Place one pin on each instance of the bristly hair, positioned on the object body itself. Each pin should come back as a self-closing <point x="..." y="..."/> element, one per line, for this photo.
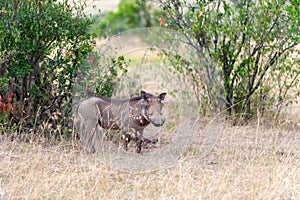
<point x="137" y="98"/>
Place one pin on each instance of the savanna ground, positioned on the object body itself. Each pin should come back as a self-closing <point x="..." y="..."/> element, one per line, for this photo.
<point x="260" y="160"/>
<point x="249" y="162"/>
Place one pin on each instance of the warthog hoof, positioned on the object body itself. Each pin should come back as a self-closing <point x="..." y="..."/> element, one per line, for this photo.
<point x="91" y="150"/>
<point x="149" y="141"/>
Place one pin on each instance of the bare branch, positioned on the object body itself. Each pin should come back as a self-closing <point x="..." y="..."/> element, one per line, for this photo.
<point x="268" y="65"/>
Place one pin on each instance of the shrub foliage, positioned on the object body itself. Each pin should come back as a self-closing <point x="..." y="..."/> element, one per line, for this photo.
<point x="42" y="46"/>
<point x="130" y="14"/>
<point x="250" y="48"/>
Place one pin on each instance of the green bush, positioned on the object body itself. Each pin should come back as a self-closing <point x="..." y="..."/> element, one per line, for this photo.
<point x="130" y="14"/>
<point x="247" y="50"/>
<point x="42" y="46"/>
<point x="98" y="77"/>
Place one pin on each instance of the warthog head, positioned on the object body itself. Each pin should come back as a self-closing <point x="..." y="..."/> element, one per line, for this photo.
<point x="152" y="108"/>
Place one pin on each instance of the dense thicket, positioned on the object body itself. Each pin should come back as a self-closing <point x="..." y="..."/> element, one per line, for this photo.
<point x="248" y="51"/>
<point x="42" y="46"/>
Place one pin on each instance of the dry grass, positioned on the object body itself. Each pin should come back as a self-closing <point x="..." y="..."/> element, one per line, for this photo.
<point x="249" y="162"/>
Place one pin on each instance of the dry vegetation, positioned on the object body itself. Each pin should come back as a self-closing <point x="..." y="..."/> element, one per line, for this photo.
<point x="249" y="162"/>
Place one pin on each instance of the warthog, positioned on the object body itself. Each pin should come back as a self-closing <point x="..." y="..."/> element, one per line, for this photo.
<point x="129" y="116"/>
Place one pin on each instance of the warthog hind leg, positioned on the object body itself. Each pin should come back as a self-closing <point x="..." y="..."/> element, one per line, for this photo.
<point x="87" y="137"/>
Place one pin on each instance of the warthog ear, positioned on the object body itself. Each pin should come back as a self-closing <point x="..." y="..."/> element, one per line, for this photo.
<point x="162" y="96"/>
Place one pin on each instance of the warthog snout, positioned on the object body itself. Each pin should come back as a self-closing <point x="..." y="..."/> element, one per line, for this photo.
<point x="154" y="107"/>
<point x="157" y="119"/>
<point x="158" y="123"/>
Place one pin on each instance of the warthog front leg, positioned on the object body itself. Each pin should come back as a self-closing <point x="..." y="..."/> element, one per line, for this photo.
<point x="138" y="145"/>
<point x="139" y="140"/>
<point x="127" y="138"/>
